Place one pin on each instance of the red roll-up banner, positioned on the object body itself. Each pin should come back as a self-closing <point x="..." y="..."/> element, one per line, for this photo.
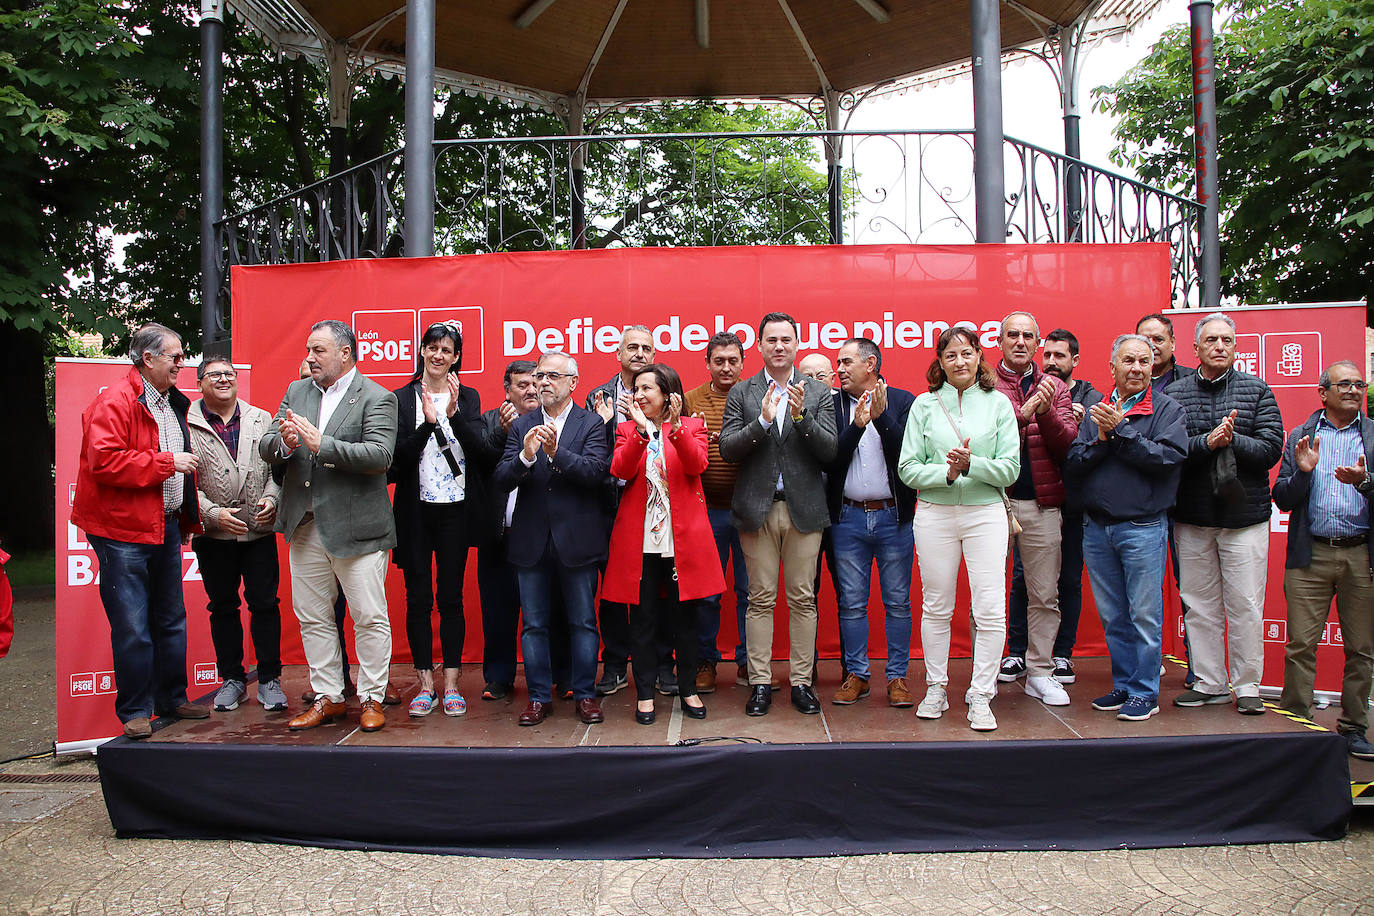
<point x="85" y="674"/>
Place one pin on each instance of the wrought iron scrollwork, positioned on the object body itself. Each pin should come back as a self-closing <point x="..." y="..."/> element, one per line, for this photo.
<point x="712" y="189"/>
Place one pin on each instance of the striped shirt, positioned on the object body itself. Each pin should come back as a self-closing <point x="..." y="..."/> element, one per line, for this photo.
<point x="169" y="439"/>
<point x="1337" y="509"/>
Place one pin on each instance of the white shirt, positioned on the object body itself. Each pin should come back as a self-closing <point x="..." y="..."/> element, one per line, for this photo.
<point x="783" y="415"/>
<point x="557" y="423"/>
<point x="332" y="397"/>
<point x="867" y="476"/>
<point x="437" y="483"/>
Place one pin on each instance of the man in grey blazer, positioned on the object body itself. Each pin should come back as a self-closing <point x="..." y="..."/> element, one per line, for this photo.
<point x="779" y="426"/>
<point x="336" y="433"/>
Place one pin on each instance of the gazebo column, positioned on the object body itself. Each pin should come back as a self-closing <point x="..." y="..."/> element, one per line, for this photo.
<point x="1205" y="148"/>
<point x="211" y="172"/>
<point x="834" y="177"/>
<point x="577" y="167"/>
<point x="419" y="154"/>
<point x="1070" y="56"/>
<point x="989" y="180"/>
<point x="340" y="98"/>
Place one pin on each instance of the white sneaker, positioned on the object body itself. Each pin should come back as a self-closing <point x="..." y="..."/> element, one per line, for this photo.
<point x="980" y="717"/>
<point x="1047" y="690"/>
<point x="934" y="704"/>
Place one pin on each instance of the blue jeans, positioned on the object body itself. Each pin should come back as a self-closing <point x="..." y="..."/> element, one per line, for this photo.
<point x="1070" y="593"/>
<point x="540" y="588"/>
<point x="708" y="610"/>
<point x="140" y="586"/>
<point x="861" y="537"/>
<point x="1126" y="563"/>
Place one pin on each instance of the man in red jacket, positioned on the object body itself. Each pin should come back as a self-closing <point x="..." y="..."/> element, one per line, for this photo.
<point x="1044" y="416"/>
<point x="136" y="501"/>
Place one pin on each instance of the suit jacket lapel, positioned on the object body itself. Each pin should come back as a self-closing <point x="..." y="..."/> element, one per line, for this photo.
<point x="350" y="400"/>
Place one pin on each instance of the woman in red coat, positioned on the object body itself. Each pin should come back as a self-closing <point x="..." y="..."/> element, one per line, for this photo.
<point x="663" y="557"/>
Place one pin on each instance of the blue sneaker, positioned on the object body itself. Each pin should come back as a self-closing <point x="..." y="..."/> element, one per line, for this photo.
<point x="1110" y="702"/>
<point x="1137" y="709"/>
<point x="1359" y="746"/>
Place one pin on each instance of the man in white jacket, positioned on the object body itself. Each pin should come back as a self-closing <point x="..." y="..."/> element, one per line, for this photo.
<point x="238" y="503"/>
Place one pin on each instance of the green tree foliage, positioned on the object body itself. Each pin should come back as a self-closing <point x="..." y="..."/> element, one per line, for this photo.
<point x="1295" y="112"/>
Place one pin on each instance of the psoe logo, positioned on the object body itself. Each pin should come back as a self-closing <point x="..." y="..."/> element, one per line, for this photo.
<point x="1276" y="631"/>
<point x="386" y="341"/>
<point x="1292" y="358"/>
<point x="469" y="321"/>
<point x="205" y="673"/>
<point x="83" y="685"/>
<point x="104" y="682"/>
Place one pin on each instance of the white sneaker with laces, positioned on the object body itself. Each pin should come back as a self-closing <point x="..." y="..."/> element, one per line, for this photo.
<point x="980" y="717"/>
<point x="935" y="703"/>
<point x="1047" y="690"/>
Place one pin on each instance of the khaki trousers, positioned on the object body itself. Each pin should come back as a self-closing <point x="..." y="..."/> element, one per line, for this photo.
<point x="1342" y="573"/>
<point x="1221" y="578"/>
<point x="315" y="579"/>
<point x="777" y="541"/>
<point x="1038" y="543"/>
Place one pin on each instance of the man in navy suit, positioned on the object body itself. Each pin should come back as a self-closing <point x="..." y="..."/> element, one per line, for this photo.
<point x="871" y="512"/>
<point x="557" y="459"/>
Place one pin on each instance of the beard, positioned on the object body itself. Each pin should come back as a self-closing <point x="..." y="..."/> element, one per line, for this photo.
<point x="1058" y="373"/>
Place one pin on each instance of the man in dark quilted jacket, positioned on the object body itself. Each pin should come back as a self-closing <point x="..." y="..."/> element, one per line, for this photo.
<point x="1221" y="518"/>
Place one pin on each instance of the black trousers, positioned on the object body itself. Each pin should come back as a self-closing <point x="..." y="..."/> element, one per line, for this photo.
<point x="501" y="621"/>
<point x="661" y="616"/>
<point x="223" y="566"/>
<point x="444" y="538"/>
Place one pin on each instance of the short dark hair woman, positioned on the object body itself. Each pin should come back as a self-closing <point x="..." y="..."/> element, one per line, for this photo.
<point x="663" y="557"/>
<point x="438" y="422"/>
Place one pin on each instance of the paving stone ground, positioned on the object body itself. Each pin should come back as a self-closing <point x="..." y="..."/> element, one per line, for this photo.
<point x="59" y="855"/>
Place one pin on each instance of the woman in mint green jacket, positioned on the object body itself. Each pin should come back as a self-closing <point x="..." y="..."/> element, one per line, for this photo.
<point x="960" y="450"/>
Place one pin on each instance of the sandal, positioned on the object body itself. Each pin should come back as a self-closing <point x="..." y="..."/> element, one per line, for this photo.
<point x="423" y="704"/>
<point x="454" y="704"/>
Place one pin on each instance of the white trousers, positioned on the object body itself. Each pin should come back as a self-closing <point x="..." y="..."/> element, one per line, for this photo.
<point x="315" y="579"/>
<point x="1221" y="577"/>
<point x="978" y="536"/>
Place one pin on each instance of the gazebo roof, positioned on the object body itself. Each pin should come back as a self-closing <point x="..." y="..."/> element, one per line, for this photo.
<point x="628" y="50"/>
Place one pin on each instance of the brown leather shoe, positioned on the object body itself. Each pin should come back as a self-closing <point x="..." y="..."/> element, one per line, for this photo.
<point x="138" y="729"/>
<point x="589" y="711"/>
<point x="535" y="713"/>
<point x="320" y="712"/>
<point x="706" y="678"/>
<point x="373" y="719"/>
<point x="853" y="689"/>
<point x="898" y="695"/>
<point x="192" y="711"/>
<point x="390" y="697"/>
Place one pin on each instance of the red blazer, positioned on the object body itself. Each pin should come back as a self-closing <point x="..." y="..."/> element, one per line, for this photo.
<point x="119" y="478"/>
<point x="694" y="546"/>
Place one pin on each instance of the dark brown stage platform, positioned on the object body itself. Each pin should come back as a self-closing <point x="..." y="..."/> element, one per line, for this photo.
<point x="854" y="779"/>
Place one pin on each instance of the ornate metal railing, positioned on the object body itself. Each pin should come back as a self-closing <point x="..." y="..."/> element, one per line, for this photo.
<point x="713" y="189"/>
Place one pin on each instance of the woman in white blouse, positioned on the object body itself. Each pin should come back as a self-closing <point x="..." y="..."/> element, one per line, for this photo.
<point x="438" y="422"/>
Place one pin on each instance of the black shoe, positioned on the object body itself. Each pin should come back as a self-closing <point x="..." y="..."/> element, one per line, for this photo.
<point x="760" y="698"/>
<point x="611" y="681"/>
<point x="1359" y="746"/>
<point x="667" y="684"/>
<point x="496" y="690"/>
<point x="804" y="698"/>
<point x="645" y="718"/>
<point x="692" y="712"/>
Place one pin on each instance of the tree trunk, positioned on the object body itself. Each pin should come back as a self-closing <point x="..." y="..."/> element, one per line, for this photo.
<point x="26" y="463"/>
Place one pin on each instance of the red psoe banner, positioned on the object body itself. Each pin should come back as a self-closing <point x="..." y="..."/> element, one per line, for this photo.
<point x="85" y="673"/>
<point x="513" y="306"/>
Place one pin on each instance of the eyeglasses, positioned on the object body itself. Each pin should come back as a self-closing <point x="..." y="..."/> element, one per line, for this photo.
<point x="553" y="376"/>
<point x="216" y="374"/>
<point x="453" y="326"/>
<point x="175" y="357"/>
<point x="1349" y="385"/>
